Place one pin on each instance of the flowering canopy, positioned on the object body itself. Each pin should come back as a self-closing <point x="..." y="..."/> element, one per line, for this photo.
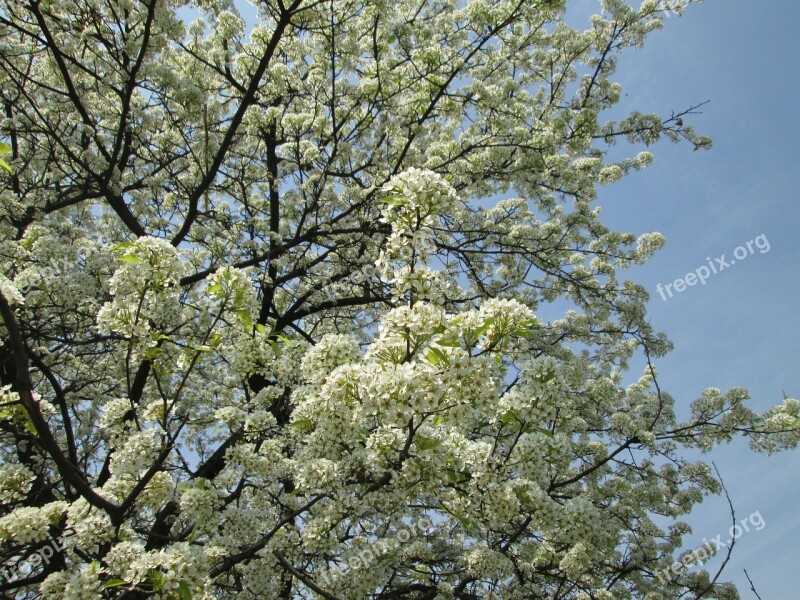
<point x="203" y="396"/>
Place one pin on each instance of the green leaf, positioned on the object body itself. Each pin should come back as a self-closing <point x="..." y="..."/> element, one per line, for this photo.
<point x="153" y="352"/>
<point x="436" y="356"/>
<point x="304" y="424"/>
<point x="549" y="377"/>
<point x="29" y="241"/>
<point x="426" y="443"/>
<point x="449" y="343"/>
<point x="456" y="476"/>
<point x="244" y="317"/>
<point x="523" y="496"/>
<point x="275" y="347"/>
<point x="6" y="166"/>
<point x="485" y="327"/>
<point x="129" y="258"/>
<point x="523" y="333"/>
<point x="156" y="579"/>
<point x="110" y="583"/>
<point x="509" y="418"/>
<point x="468" y="524"/>
<point x="184" y="591"/>
<point x="203" y="348"/>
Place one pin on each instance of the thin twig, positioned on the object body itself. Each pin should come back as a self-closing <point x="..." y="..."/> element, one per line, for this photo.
<point x="732" y="541"/>
<point x="304" y="578"/>
<point x="752" y="585"/>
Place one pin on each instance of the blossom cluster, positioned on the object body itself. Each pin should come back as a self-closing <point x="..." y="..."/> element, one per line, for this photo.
<point x="187" y="404"/>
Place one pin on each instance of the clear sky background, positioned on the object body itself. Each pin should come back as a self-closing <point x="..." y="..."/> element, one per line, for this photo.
<point x="742" y="327"/>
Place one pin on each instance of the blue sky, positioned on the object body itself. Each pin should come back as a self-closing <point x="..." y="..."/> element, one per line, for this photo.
<point x="741" y="328"/>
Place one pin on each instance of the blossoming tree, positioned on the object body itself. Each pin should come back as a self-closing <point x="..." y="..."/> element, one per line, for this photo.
<point x="269" y="297"/>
